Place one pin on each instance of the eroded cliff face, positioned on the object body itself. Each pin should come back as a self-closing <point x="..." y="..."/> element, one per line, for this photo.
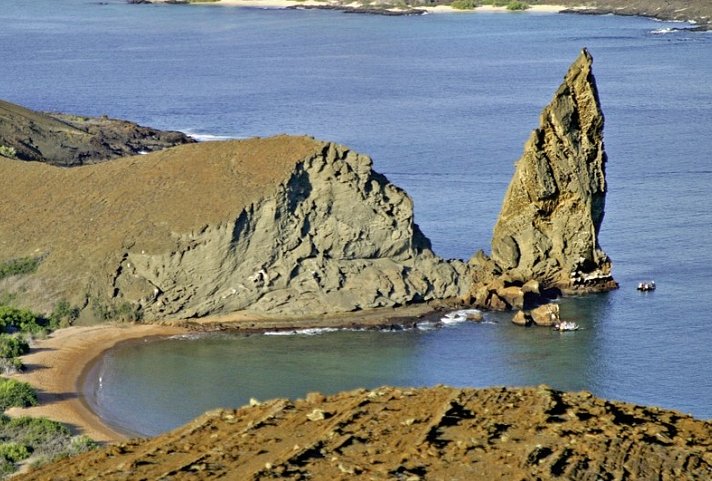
<point x="334" y="237"/>
<point x="548" y="227"/>
<point x="288" y="226"/>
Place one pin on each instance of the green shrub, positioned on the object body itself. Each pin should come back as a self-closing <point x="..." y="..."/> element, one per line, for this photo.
<point x="81" y="444"/>
<point x="11" y="365"/>
<point x="63" y="315"/>
<point x="21" y="265"/>
<point x="13" y="346"/>
<point x="6" y="468"/>
<point x="16" y="394"/>
<point x="39" y="433"/>
<point x="22" y="319"/>
<point x="516" y="5"/>
<point x="6" y="151"/>
<point x="121" y="311"/>
<point x="47" y="440"/>
<point x="464" y="4"/>
<point x="14" y="452"/>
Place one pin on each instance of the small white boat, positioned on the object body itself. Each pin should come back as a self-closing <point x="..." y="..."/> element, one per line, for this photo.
<point x="566" y="326"/>
<point x="646" y="286"/>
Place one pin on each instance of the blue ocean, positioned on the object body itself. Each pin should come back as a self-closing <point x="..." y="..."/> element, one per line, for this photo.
<point x="443" y="103"/>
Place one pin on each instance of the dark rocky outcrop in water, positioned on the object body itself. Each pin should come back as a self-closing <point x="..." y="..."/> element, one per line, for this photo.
<point x="547" y="230"/>
<point x="70" y="140"/>
<point x="439" y="433"/>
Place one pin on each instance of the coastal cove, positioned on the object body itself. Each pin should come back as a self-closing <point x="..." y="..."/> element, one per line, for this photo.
<point x="443" y="104"/>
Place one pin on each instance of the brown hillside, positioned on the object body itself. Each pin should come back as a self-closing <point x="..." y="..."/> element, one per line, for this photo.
<point x="83" y="218"/>
<point x="423" y="434"/>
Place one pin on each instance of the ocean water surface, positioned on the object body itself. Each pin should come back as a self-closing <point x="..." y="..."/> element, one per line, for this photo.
<point x="443" y="104"/>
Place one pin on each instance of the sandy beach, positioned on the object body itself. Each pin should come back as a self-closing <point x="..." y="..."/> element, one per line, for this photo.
<point x="312" y="3"/>
<point x="55" y="366"/>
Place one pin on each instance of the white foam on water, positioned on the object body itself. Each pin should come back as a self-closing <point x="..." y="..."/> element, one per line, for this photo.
<point x="312" y="331"/>
<point x="208" y="137"/>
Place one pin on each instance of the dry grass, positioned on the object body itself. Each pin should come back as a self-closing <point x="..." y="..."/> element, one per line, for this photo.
<point x="83" y="219"/>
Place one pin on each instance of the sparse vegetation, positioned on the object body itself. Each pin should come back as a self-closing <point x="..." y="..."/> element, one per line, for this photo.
<point x="13" y="452"/>
<point x="8" y="152"/>
<point x="11" y="365"/>
<point x="464" y="4"/>
<point x="16" y="394"/>
<point x="21" y="265"/>
<point x="39" y="439"/>
<point x="13" y="319"/>
<point x="63" y="315"/>
<point x="517" y="6"/>
<point x="13" y="346"/>
<point x="121" y="311"/>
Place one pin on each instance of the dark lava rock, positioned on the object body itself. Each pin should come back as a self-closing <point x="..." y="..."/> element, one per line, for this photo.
<point x="71" y="140"/>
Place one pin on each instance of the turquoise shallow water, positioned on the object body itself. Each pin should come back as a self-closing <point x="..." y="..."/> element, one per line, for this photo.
<point x="444" y="104"/>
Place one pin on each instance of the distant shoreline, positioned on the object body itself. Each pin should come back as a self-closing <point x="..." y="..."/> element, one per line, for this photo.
<point x="354" y="5"/>
<point x="359" y="7"/>
<point x="699" y="18"/>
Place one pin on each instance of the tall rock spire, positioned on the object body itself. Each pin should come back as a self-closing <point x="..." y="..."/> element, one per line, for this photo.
<point x="547" y="230"/>
<point x="552" y="212"/>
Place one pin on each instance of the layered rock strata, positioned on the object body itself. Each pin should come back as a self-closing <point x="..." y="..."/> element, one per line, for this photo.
<point x="439" y="433"/>
<point x="71" y="140"/>
<point x="547" y="230"/>
<point x="287" y="225"/>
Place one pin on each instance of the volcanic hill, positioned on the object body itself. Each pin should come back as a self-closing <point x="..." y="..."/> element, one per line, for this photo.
<point x="289" y="225"/>
<point x="438" y="433"/>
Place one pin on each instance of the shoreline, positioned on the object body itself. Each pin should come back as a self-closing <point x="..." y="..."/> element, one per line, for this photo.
<point x="357" y="6"/>
<point x="59" y="366"/>
<point x="697" y="21"/>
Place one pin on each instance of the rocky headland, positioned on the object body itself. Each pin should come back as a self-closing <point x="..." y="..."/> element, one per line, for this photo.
<point x="294" y="227"/>
<point x="287" y="225"/>
<point x="438" y="433"/>
<point x="698" y="12"/>
<point x="72" y="140"/>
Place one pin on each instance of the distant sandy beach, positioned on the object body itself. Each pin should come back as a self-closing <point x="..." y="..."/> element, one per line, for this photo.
<point x="55" y="367"/>
<point x="437" y="9"/>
